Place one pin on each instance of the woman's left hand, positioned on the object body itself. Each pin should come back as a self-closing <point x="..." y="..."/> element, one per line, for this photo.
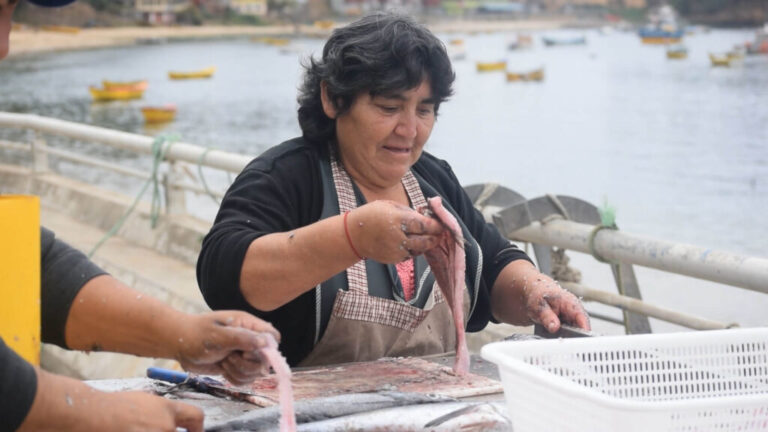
<point x="522" y="295"/>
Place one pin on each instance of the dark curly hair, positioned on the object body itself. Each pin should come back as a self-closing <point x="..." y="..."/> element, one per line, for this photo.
<point x="380" y="53"/>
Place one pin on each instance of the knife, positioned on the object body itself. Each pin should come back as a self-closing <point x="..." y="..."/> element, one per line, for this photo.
<point x="566" y="331"/>
<point x="205" y="384"/>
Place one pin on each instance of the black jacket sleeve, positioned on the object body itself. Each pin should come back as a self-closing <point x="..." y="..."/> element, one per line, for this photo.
<point x="64" y="271"/>
<point x="18" y="387"/>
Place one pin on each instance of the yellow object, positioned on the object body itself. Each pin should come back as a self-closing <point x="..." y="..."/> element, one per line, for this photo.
<point x="661" y="40"/>
<point x="121" y="93"/>
<point x="202" y="73"/>
<point x="160" y="114"/>
<point x="114" y="85"/>
<point x="324" y="24"/>
<point x="720" y="60"/>
<point x="677" y="54"/>
<point x="61" y="29"/>
<point x="491" y="66"/>
<point x="20" y="275"/>
<point x="534" y="75"/>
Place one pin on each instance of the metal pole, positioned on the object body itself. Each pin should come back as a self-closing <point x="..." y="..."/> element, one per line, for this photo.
<point x="137" y="143"/>
<point x="717" y="266"/>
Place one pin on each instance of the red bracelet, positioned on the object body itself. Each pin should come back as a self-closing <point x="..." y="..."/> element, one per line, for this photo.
<point x="349" y="239"/>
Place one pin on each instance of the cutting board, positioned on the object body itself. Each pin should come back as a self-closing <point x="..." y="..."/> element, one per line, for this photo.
<point x="403" y="374"/>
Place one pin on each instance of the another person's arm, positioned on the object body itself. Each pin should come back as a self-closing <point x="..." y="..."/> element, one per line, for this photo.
<point x="34" y="400"/>
<point x="85" y="308"/>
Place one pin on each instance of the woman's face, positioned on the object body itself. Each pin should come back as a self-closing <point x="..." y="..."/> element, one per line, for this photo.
<point x="380" y="137"/>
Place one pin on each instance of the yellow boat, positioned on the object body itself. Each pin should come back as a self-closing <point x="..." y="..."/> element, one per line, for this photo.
<point x="202" y="73"/>
<point x="271" y="40"/>
<point x="61" y="29"/>
<point x="159" y="114"/>
<point x="457" y="42"/>
<point x="677" y="52"/>
<point x="534" y="75"/>
<point x="720" y="60"/>
<point x="491" y="66"/>
<point x="138" y="84"/>
<point x="324" y="24"/>
<point x="120" y="93"/>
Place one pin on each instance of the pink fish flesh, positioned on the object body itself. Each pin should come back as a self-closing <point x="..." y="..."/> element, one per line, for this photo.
<point x="285" y="391"/>
<point x="447" y="261"/>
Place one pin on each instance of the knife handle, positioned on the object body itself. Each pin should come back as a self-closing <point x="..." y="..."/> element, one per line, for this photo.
<point x="168" y="375"/>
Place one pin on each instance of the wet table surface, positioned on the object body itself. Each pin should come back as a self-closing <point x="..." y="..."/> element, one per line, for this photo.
<point x="219" y="409"/>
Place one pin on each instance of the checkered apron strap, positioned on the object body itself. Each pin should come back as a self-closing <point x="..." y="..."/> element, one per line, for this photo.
<point x="357" y="279"/>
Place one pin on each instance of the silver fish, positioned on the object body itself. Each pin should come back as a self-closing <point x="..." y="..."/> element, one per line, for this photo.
<point x="318" y="409"/>
<point x="442" y="417"/>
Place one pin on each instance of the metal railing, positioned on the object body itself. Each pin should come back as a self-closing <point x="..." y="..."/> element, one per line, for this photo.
<point x="727" y="268"/>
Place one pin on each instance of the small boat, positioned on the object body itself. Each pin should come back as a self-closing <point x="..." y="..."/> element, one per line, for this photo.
<point x="677" y="52"/>
<point x="456" y="42"/>
<point x="736" y="54"/>
<point x="720" y="60"/>
<point x="522" y="41"/>
<point x="760" y="44"/>
<point x="159" y="114"/>
<point x="272" y="41"/>
<point x="324" y="24"/>
<point x="534" y="75"/>
<point x="491" y="66"/>
<point x="456" y="52"/>
<point x="202" y="73"/>
<point x="552" y="41"/>
<point x="118" y="93"/>
<point x="61" y="29"/>
<point x="138" y="84"/>
<point x="660" y="36"/>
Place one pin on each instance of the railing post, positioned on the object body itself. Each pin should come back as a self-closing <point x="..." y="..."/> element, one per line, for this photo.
<point x="175" y="198"/>
<point x="39" y="153"/>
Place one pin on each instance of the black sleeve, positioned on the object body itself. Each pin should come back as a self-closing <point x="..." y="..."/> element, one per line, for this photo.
<point x="497" y="250"/>
<point x="64" y="271"/>
<point x="18" y="386"/>
<point x="276" y="192"/>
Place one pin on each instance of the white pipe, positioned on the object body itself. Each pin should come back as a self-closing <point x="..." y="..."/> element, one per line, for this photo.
<point x="137" y="143"/>
<point x="703" y="263"/>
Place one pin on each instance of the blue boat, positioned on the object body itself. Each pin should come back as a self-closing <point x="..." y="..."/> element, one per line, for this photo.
<point x="660" y="35"/>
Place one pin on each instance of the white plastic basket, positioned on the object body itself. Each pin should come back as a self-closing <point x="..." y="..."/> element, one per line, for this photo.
<point x="683" y="382"/>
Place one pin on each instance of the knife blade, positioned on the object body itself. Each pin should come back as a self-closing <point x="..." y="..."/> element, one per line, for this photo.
<point x="205" y="384"/>
<point x="566" y="331"/>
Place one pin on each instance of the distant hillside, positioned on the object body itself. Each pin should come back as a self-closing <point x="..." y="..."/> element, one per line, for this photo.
<point x="80" y="14"/>
<point x="724" y="12"/>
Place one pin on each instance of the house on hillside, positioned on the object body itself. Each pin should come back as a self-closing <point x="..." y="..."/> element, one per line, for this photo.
<point x="249" y="7"/>
<point x="162" y="12"/>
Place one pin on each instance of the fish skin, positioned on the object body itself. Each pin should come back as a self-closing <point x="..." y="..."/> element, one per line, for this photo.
<point x="318" y="409"/>
<point x="441" y="417"/>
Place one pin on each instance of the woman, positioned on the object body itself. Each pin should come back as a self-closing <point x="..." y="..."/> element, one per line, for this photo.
<point x="320" y="235"/>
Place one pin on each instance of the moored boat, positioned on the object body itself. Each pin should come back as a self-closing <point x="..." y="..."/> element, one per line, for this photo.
<point x="118" y="93"/>
<point x="491" y="66"/>
<point x="677" y="52"/>
<point x="720" y="60"/>
<point x="660" y="36"/>
<point x="553" y="41"/>
<point x="112" y="85"/>
<point x="159" y="114"/>
<point x="202" y="73"/>
<point x="534" y="75"/>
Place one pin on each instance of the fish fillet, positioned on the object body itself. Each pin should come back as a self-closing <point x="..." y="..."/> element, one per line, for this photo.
<point x="447" y="261"/>
<point x="285" y="391"/>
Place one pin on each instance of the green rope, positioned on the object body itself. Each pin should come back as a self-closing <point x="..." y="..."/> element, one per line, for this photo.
<point x="160" y="147"/>
<point x="202" y="176"/>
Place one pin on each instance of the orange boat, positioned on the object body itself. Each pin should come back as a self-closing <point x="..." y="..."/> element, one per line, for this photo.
<point x="137" y="85"/>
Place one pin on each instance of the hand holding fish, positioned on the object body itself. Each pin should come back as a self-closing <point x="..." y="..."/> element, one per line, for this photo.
<point x="389" y="232"/>
<point x="522" y="295"/>
<point x="225" y="343"/>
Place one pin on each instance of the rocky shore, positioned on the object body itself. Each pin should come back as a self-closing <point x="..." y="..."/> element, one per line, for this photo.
<point x="28" y="40"/>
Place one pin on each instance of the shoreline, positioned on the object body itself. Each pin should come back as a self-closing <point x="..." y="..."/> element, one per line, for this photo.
<point x="30" y="41"/>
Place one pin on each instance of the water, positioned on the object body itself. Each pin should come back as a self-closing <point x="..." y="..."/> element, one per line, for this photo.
<point x="679" y="148"/>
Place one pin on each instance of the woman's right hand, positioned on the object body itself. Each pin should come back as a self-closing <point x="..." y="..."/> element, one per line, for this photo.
<point x="389" y="232"/>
